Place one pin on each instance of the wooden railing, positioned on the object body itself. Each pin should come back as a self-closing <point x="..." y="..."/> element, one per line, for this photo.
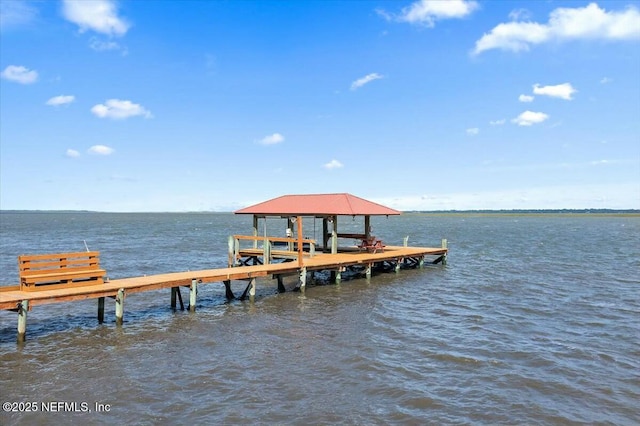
<point x="267" y="249"/>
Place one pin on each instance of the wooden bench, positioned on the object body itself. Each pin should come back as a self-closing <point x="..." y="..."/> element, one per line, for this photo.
<point x="59" y="270"/>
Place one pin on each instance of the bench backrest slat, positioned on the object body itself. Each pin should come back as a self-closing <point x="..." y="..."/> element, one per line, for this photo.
<point x="41" y="263"/>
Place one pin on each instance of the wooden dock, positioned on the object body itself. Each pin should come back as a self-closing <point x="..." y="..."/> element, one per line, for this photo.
<point x="395" y="257"/>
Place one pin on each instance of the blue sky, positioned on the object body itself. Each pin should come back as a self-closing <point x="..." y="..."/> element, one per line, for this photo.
<point x="215" y="105"/>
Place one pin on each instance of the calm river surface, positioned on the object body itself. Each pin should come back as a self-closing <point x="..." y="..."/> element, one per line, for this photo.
<point x="535" y="320"/>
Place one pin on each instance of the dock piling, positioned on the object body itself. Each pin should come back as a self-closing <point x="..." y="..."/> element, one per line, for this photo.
<point x="120" y="307"/>
<point x="192" y="295"/>
<point x="100" y="310"/>
<point x="23" y="307"/>
<point x="252" y="287"/>
<point x="227" y="290"/>
<point x="444" y="256"/>
<point x="303" y="278"/>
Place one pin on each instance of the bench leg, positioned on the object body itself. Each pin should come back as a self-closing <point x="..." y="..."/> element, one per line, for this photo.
<point x="100" y="310"/>
<point x="23" y="307"/>
<point x="120" y="307"/>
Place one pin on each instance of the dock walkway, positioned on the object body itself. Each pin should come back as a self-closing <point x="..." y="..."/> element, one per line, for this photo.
<point x="21" y="301"/>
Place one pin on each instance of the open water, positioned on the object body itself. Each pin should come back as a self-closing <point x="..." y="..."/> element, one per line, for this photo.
<point x="535" y="320"/>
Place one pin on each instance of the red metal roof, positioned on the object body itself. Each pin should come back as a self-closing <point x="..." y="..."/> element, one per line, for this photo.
<point x="318" y="204"/>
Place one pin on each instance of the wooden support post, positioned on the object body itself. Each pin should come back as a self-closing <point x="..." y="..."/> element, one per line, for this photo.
<point x="23" y="307"/>
<point x="339" y="275"/>
<point x="100" y="310"/>
<point x="405" y="241"/>
<point x="192" y="295"/>
<point x="398" y="264"/>
<point x="289" y="233"/>
<point x="367" y="226"/>
<point x="444" y="256"/>
<point x="227" y="290"/>
<point x="281" y="288"/>
<point x="325" y="233"/>
<point x="120" y="307"/>
<point x="303" y="278"/>
<point x="232" y="255"/>
<point x="173" y="297"/>
<point x="421" y="262"/>
<point x="299" y="223"/>
<point x="255" y="231"/>
<point x="334" y="236"/>
<point x="252" y="288"/>
<point x="266" y="252"/>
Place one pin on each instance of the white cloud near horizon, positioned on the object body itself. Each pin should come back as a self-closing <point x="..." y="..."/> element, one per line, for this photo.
<point x="473" y="131"/>
<point x="612" y="196"/>
<point x="427" y="12"/>
<point x="273" y="139"/>
<point x="19" y="74"/>
<point x="72" y="153"/>
<point x="333" y="164"/>
<point x="562" y="91"/>
<point x="498" y="122"/>
<point x="529" y="118"/>
<point x="365" y="80"/>
<point x="589" y="22"/>
<point x="118" y="109"/>
<point x="101" y="150"/>
<point x="61" y="100"/>
<point x="97" y="15"/>
<point x="525" y="98"/>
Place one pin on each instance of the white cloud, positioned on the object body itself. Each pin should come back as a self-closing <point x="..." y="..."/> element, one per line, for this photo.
<point x="615" y="196"/>
<point x="119" y="109"/>
<point x="97" y="15"/>
<point x="61" y="100"/>
<point x="498" y="122"/>
<point x="72" y="153"/>
<point x="16" y="13"/>
<point x="473" y="131"/>
<point x="520" y="15"/>
<point x="19" y="74"/>
<point x="273" y="139"/>
<point x="101" y="46"/>
<point x="364" y="80"/>
<point x="589" y="22"/>
<point x="562" y="91"/>
<point x="606" y="80"/>
<point x="427" y="12"/>
<point x="529" y="118"/>
<point x="101" y="150"/>
<point x="525" y="98"/>
<point x="333" y="164"/>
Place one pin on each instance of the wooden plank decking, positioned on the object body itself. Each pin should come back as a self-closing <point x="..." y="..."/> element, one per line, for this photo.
<point x="321" y="261"/>
<point x="21" y="301"/>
